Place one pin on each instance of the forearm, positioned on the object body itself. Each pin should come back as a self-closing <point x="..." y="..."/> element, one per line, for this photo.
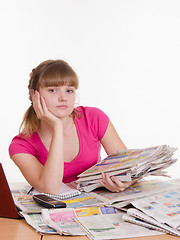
<point x="52" y="173"/>
<point x="50" y="176"/>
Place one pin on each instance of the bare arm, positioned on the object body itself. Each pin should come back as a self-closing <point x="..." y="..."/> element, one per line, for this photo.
<point x="112" y="143"/>
<point x="45" y="178"/>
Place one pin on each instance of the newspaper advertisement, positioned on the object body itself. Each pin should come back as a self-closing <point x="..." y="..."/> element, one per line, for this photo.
<point x="164" y="207"/>
<point x="135" y="216"/>
<point x="140" y="189"/>
<point x="37" y="222"/>
<point x="62" y="220"/>
<point x="107" y="223"/>
<point x="27" y="204"/>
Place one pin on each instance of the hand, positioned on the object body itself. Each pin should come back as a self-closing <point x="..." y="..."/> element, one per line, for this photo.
<point x="114" y="184"/>
<point x="41" y="110"/>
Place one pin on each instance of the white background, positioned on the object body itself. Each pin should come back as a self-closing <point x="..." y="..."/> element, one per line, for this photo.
<point x="125" y="52"/>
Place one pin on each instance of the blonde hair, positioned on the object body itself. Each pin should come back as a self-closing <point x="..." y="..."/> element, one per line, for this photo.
<point x="47" y="73"/>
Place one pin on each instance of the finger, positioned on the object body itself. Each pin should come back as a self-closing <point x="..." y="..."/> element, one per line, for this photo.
<point x="43" y="104"/>
<point x="135" y="181"/>
<point x="34" y="101"/>
<point x="117" y="185"/>
<point x="109" y="184"/>
<point x="122" y="185"/>
<point x="106" y="186"/>
<point x="37" y="104"/>
<point x="107" y="179"/>
<point x="104" y="182"/>
<point x="114" y="184"/>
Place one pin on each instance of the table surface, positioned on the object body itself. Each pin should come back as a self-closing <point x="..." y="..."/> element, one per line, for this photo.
<point x="18" y="229"/>
<point x="157" y="237"/>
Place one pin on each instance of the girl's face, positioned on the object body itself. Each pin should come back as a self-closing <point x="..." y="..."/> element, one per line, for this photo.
<point x="60" y="100"/>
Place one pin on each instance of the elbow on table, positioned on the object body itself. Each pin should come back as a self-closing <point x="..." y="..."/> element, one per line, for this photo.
<point x="50" y="188"/>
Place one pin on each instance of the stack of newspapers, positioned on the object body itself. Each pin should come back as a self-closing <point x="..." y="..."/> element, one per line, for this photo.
<point x="128" y="165"/>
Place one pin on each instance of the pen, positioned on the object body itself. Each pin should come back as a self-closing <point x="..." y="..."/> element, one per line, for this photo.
<point x="30" y="190"/>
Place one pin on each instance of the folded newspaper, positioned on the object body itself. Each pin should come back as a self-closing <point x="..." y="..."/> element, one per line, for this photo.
<point x="160" y="211"/>
<point x="95" y="222"/>
<point x="128" y="165"/>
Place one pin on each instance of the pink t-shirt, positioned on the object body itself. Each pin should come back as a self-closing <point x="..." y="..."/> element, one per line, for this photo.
<point x="91" y="127"/>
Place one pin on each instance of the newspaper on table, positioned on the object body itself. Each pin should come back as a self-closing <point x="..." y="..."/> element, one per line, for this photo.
<point x="36" y="221"/>
<point x="25" y="203"/>
<point x="83" y="200"/>
<point x="95" y="222"/>
<point x="107" y="223"/>
<point x="163" y="207"/>
<point x="101" y="197"/>
<point x="62" y="220"/>
<point x="22" y="199"/>
<point x="104" y="197"/>
<point x="141" y="189"/>
<point x="135" y="216"/>
<point x="129" y="165"/>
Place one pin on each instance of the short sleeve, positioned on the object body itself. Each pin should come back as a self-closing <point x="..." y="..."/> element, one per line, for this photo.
<point x="20" y="145"/>
<point x="98" y="121"/>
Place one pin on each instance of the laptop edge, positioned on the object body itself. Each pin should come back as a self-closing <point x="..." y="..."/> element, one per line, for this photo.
<point x="7" y="205"/>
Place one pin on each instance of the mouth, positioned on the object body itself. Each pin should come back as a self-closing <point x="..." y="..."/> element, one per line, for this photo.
<point x="62" y="106"/>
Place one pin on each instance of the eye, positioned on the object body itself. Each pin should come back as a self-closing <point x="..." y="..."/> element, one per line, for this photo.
<point x="70" y="90"/>
<point x="52" y="90"/>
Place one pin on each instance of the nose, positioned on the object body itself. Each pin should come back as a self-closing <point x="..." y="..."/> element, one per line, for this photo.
<point x="62" y="97"/>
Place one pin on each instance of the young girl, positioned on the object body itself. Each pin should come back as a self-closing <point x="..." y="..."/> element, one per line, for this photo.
<point x="58" y="141"/>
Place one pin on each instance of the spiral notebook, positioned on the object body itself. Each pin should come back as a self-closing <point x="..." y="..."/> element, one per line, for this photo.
<point x="66" y="191"/>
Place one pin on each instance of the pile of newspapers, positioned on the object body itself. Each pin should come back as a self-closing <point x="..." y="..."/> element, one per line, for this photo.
<point x="128" y="165"/>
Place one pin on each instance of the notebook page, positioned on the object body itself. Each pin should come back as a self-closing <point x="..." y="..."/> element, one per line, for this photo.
<point x="65" y="192"/>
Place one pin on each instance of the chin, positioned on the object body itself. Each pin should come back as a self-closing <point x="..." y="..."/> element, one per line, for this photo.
<point x="63" y="115"/>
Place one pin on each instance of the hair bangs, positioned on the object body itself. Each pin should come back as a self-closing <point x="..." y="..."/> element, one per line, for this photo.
<point x="58" y="75"/>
